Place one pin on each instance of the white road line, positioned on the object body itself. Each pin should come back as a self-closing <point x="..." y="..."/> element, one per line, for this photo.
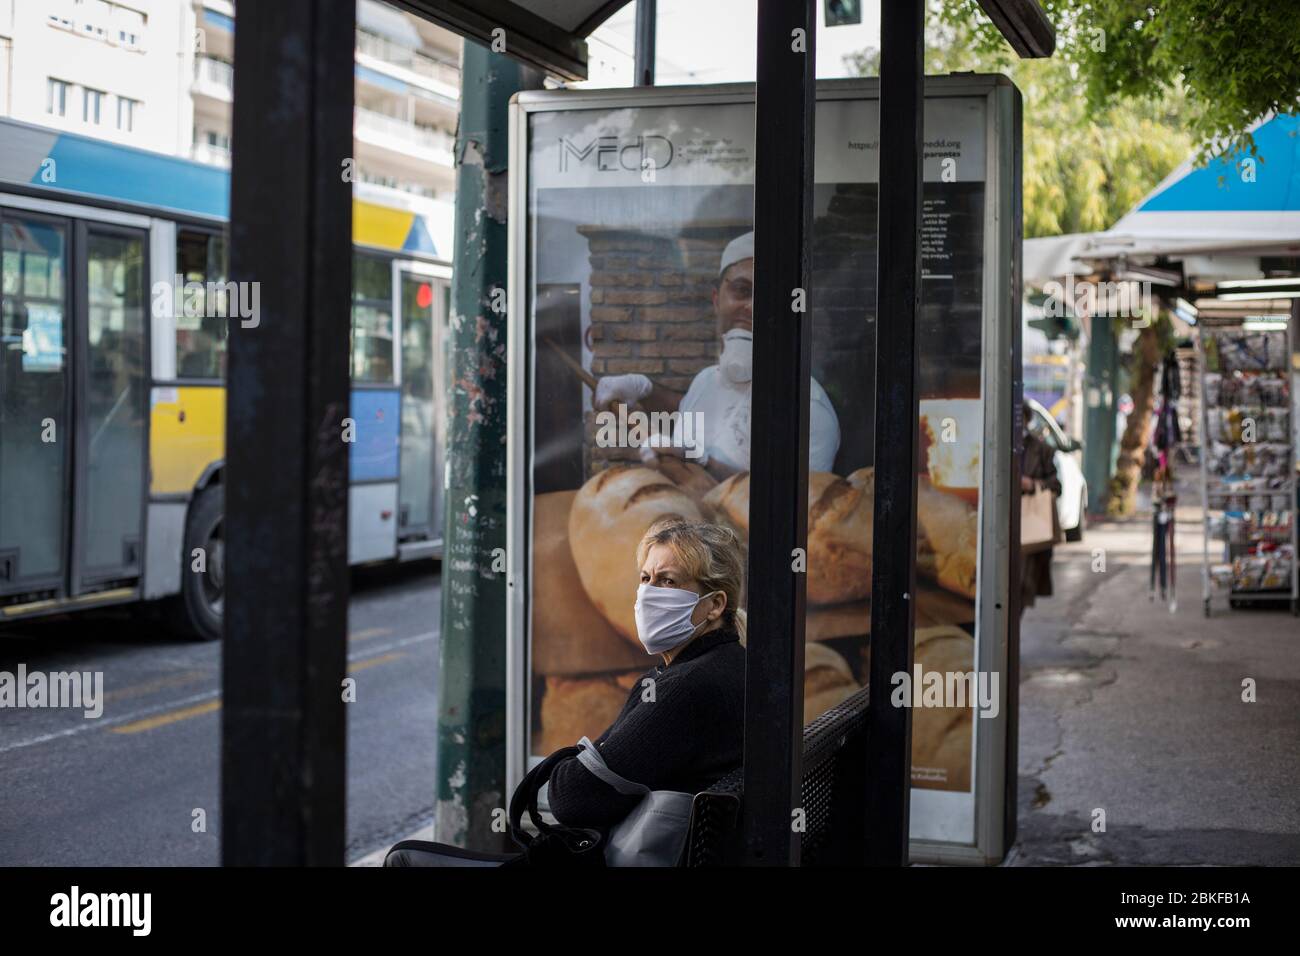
<point x="99" y="723"/>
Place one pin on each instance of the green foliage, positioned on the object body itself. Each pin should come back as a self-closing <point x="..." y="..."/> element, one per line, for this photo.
<point x="1084" y="166"/>
<point x="1236" y="61"/>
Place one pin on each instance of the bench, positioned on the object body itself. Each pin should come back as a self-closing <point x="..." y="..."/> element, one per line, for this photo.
<point x="833" y="793"/>
<point x="833" y="790"/>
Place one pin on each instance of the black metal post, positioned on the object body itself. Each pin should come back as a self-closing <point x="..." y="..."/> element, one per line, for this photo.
<point x="283" y="723"/>
<point x="644" y="61"/>
<point x="893" y="566"/>
<point x="778" y="500"/>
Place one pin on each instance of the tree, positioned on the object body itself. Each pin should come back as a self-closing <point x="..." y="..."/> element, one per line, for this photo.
<point x="1153" y="343"/>
<point x="1237" y="61"/>
<point x="1083" y="168"/>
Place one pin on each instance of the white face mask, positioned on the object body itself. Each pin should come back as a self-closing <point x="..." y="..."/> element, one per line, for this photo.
<point x="663" y="617"/>
<point x="737" y="359"/>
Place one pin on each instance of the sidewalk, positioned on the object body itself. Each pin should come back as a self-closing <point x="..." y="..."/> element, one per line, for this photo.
<point x="1130" y="709"/>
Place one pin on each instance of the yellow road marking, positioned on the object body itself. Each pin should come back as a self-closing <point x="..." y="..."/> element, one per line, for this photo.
<point x="169" y="680"/>
<point x="162" y="720"/>
<point x="211" y="706"/>
<point x="370" y="632"/>
<point x="371" y="662"/>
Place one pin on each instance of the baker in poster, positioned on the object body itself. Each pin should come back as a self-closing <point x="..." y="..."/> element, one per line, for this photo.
<point x="720" y="395"/>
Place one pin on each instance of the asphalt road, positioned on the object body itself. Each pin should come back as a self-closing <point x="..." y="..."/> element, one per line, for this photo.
<point x="123" y="789"/>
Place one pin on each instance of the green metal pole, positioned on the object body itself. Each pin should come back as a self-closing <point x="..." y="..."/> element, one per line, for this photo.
<point x="1100" y="396"/>
<point x="472" y="673"/>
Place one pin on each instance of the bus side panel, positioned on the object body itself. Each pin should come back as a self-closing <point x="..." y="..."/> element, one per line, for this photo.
<point x="374" y="467"/>
<point x="189" y="434"/>
<point x="163" y="550"/>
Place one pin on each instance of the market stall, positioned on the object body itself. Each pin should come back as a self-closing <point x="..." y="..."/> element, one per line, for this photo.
<point x="1248" y="474"/>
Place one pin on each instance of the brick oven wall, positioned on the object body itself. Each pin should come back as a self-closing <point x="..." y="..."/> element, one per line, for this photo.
<point x="651" y="310"/>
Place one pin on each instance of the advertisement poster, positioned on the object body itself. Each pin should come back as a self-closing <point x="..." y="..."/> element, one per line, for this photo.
<point x="637" y="218"/>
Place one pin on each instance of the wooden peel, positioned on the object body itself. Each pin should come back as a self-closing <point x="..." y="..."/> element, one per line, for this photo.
<point x="587" y="378"/>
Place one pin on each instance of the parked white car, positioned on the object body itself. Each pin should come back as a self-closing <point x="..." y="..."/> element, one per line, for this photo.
<point x="1072" y="505"/>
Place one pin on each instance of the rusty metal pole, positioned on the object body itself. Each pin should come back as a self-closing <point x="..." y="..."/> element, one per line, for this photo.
<point x="472" y="671"/>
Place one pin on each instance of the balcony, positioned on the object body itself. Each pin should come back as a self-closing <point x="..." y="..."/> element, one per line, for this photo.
<point x="214" y="78"/>
<point x="212" y="155"/>
<point x="436" y="75"/>
<point x="401" y="136"/>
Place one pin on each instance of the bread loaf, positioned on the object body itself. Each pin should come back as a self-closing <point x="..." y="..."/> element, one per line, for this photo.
<point x="686" y="475"/>
<point x="840" y="521"/>
<point x="827" y="680"/>
<point x="574" y="707"/>
<point x="950" y="528"/>
<point x="839" y="529"/>
<point x="941" y="736"/>
<point x="610" y="514"/>
<point x="569" y="636"/>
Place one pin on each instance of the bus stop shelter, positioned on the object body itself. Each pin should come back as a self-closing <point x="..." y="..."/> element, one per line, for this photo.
<point x="284" y="723"/>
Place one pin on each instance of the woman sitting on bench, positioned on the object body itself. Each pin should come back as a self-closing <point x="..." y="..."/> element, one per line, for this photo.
<point x="683" y="724"/>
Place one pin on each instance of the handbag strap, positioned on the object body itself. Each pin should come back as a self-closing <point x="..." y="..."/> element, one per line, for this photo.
<point x="591" y="758"/>
<point x="525" y="796"/>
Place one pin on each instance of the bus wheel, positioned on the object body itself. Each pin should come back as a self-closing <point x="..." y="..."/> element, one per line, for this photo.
<point x="202" y="598"/>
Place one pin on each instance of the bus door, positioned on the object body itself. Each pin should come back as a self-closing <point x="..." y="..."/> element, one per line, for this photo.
<point x="112" y="374"/>
<point x="73" y="404"/>
<point x="423" y="293"/>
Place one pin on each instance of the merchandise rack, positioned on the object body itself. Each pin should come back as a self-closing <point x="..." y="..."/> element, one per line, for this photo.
<point x="1248" y="462"/>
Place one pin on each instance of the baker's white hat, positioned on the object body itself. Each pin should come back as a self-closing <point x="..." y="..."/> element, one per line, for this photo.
<point x="742" y="247"/>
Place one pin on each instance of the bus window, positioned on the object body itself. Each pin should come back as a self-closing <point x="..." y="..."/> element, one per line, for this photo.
<point x="201" y="329"/>
<point x="33" y="403"/>
<point x="372" y="320"/>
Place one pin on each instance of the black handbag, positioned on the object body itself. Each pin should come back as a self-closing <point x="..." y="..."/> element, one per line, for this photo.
<point x="553" y="846"/>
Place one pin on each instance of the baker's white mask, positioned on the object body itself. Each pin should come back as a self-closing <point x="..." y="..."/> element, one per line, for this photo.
<point x="737" y="359"/>
<point x="663" y="617"/>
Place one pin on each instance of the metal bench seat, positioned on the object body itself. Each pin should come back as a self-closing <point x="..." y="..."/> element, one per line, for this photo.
<point x="833" y="790"/>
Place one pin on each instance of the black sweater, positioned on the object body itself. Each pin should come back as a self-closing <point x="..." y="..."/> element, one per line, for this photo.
<point x="691" y="734"/>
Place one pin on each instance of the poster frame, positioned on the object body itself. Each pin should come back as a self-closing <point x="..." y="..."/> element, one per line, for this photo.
<point x="995" y="745"/>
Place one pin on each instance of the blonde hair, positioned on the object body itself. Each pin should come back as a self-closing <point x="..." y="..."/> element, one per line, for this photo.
<point x="711" y="554"/>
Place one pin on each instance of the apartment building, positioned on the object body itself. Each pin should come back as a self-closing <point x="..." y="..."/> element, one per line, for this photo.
<point x="158" y="75"/>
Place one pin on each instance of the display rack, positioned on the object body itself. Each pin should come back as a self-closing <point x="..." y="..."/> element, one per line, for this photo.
<point x="1248" y="462"/>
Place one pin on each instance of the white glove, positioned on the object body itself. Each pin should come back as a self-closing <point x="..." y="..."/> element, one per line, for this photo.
<point x="627" y="389"/>
<point x="660" y="444"/>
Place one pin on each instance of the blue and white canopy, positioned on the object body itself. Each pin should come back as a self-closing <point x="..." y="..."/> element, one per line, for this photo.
<point x="1241" y="205"/>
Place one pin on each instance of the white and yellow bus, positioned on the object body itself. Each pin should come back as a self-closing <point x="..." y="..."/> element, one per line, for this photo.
<point x="112" y="396"/>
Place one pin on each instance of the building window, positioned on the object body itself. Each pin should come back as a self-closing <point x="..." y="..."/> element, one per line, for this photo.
<point x="218" y="141"/>
<point x="56" y="97"/>
<point x="126" y="109"/>
<point x="128" y="27"/>
<point x="91" y="101"/>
